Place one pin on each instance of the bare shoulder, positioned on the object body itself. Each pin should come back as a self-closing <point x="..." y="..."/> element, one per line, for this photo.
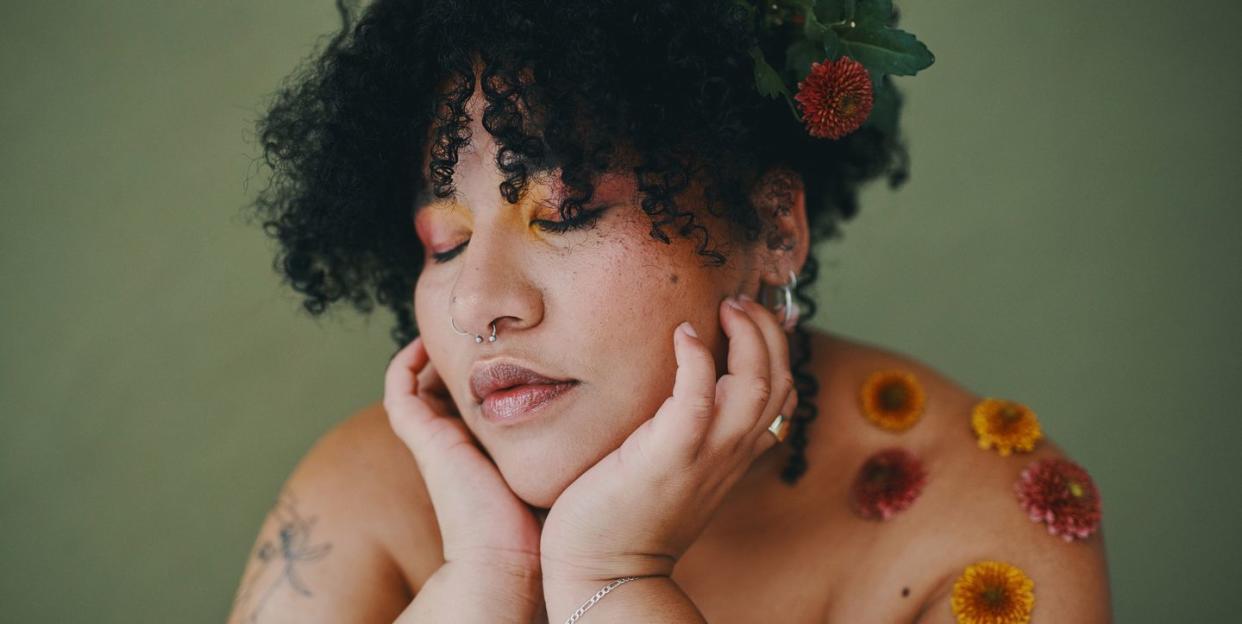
<point x="350" y="535"/>
<point x="401" y="517"/>
<point x="939" y="480"/>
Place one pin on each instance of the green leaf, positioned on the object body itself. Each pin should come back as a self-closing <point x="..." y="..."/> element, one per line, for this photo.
<point x="767" y="80"/>
<point x="799" y="56"/>
<point x="833" y="46"/>
<point x="829" y="11"/>
<point x="887" y="50"/>
<point x="872" y="13"/>
<point x="884" y="108"/>
<point x="812" y="28"/>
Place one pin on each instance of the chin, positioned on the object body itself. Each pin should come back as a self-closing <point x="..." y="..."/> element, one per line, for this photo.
<point x="536" y="485"/>
<point x="540" y="478"/>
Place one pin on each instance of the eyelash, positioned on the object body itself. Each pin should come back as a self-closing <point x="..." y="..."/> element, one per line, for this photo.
<point x="585" y="219"/>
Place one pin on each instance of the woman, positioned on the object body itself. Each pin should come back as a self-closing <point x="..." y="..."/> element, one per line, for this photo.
<point x="611" y="407"/>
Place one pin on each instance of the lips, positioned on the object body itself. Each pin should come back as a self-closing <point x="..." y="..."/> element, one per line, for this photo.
<point x="514" y="404"/>
<point x="507" y="391"/>
<point x="488" y="378"/>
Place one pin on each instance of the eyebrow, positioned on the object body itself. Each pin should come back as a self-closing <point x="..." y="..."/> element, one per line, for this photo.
<point x="426" y="199"/>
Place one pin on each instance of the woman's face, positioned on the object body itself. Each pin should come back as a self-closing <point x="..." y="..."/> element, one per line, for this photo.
<point x="597" y="306"/>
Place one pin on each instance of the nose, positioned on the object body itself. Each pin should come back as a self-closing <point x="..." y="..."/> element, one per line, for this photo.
<point x="494" y="285"/>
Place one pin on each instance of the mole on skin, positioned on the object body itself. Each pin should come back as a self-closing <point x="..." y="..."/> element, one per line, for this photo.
<point x="673" y="278"/>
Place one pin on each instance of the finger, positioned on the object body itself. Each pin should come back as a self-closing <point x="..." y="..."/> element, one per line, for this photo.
<point x="429" y="380"/>
<point x="462" y="483"/>
<point x="679" y="425"/>
<point x="431" y="388"/>
<point x="400" y="381"/>
<point x="401" y="387"/>
<point x="780" y="377"/>
<point x="745" y="391"/>
<point x="791" y="404"/>
<point x="767" y="439"/>
<point x="409" y="415"/>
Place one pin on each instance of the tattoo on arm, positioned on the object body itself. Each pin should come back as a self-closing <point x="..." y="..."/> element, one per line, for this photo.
<point x="282" y="555"/>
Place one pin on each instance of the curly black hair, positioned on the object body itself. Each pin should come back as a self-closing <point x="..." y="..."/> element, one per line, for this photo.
<point x="663" y="88"/>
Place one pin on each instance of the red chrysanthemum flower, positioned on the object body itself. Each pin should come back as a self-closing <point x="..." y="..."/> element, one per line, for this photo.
<point x="835" y="97"/>
<point x="1060" y="493"/>
<point x="888" y="482"/>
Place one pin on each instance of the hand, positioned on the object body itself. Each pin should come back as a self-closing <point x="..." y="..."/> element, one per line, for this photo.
<point x="482" y="522"/>
<point x="636" y="511"/>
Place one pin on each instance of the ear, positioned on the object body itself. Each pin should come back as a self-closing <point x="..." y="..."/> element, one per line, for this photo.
<point x="779" y="198"/>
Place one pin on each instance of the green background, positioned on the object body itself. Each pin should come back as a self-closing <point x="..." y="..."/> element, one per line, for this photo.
<point x="1067" y="238"/>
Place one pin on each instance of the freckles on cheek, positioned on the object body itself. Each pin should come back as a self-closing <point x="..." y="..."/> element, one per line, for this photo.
<point x="648" y="283"/>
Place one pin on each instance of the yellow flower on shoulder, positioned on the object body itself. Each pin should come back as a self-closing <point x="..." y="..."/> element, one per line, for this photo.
<point x="892" y="399"/>
<point x="993" y="592"/>
<point x="1007" y="425"/>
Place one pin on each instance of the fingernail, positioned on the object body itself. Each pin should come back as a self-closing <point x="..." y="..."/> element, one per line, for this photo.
<point x="688" y="328"/>
<point x="733" y="302"/>
<point x="744" y="297"/>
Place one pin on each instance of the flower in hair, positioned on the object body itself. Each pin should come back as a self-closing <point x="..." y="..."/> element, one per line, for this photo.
<point x="835" y="98"/>
<point x="993" y="592"/>
<point x="892" y="399"/>
<point x="888" y="482"/>
<point x="835" y="55"/>
<point x="1006" y="425"/>
<point x="1060" y="493"/>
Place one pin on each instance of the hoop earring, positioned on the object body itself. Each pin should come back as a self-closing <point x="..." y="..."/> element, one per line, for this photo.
<point x="477" y="338"/>
<point x="788" y="305"/>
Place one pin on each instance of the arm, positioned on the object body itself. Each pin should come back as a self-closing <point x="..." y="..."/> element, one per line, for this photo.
<point x="470" y="594"/>
<point x="652" y="599"/>
<point x="325" y="552"/>
<point x="311" y="561"/>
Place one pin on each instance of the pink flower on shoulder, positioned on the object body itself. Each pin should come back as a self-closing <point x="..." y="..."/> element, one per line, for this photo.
<point x="1061" y="494"/>
<point x="888" y="482"/>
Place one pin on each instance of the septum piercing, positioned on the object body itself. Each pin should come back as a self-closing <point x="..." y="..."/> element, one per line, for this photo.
<point x="477" y="338"/>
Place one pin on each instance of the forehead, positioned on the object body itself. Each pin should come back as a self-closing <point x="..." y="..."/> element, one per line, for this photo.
<point x="543" y="177"/>
<point x="479" y="149"/>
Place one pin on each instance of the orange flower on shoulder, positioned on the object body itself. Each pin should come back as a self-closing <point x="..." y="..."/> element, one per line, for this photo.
<point x="1006" y="425"/>
<point x="892" y="399"/>
<point x="993" y="592"/>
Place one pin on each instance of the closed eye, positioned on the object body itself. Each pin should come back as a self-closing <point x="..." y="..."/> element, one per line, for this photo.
<point x="584" y="219"/>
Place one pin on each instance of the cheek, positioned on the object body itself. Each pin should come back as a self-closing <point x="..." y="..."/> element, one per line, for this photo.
<point x="638" y="294"/>
<point x="626" y="289"/>
<point x="424" y="293"/>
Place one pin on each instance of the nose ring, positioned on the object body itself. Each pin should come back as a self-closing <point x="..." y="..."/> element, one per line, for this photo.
<point x="477" y="338"/>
